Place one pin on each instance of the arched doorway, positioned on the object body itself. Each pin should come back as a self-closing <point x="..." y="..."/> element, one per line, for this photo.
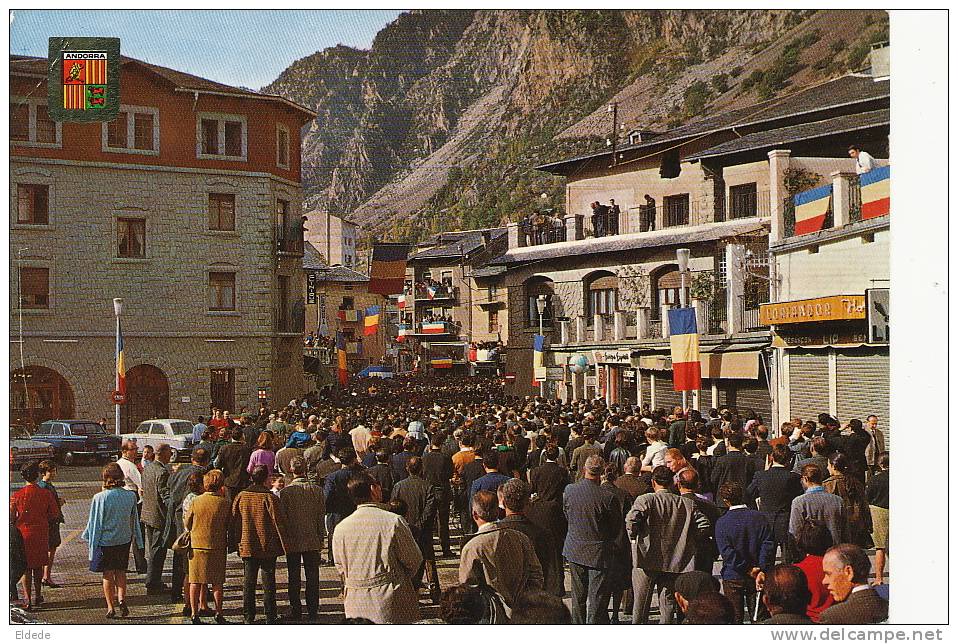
<point x="147" y="396"/>
<point x="38" y="394"/>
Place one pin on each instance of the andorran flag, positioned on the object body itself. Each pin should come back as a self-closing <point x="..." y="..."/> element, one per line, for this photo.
<point x="342" y="370"/>
<point x="811" y="209"/>
<point x="875" y="192"/>
<point x="371" y="321"/>
<point x="388" y="271"/>
<point x="120" y="364"/>
<point x="441" y="363"/>
<point x="684" y="339"/>
<point x="538" y="362"/>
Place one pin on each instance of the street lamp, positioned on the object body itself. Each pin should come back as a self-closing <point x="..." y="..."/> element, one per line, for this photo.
<point x="682" y="256"/>
<point x="541" y="302"/>
<point x="118" y="311"/>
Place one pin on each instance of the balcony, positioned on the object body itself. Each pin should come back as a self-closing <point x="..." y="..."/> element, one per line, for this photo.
<point x="436" y="292"/>
<point x="290" y="318"/>
<point x="289" y="238"/>
<point x="323" y="354"/>
<point x="437" y="328"/>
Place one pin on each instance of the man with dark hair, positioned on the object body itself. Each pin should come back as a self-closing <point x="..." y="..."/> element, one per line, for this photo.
<point x="786" y="595"/>
<point x="594" y="519"/>
<point x="817" y="504"/>
<point x="846" y="568"/>
<point x="179" y="488"/>
<point x="377" y="556"/>
<point x="305" y="512"/>
<point x="420" y="499"/>
<point x="471" y="472"/>
<point x="437" y="469"/>
<point x="514" y="498"/>
<point x="550" y="479"/>
<point x="502" y="558"/>
<point x="734" y="466"/>
<point x="339" y="503"/>
<point x="492" y="478"/>
<point x="233" y="459"/>
<point x="383" y="473"/>
<point x="744" y="539"/>
<point x="775" y="488"/>
<point x="710" y="608"/>
<point x="665" y="529"/>
<point x="819" y="450"/>
<point x="462" y="604"/>
<point x="155" y="482"/>
<point x="537" y="607"/>
<point x="398" y="461"/>
<point x="690" y="585"/>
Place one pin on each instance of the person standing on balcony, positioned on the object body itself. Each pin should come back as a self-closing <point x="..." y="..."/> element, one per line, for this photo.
<point x="613" y="217"/>
<point x="649" y="213"/>
<point x="599" y="214"/>
<point x="864" y="162"/>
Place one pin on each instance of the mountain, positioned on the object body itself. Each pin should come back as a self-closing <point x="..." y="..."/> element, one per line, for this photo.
<point x="438" y="125"/>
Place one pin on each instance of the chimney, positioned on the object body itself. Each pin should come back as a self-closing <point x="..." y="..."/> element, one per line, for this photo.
<point x="880" y="57"/>
<point x="486" y="237"/>
<point x="640" y="136"/>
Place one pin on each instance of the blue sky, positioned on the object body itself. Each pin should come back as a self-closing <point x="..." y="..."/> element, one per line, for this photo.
<point x="247" y="48"/>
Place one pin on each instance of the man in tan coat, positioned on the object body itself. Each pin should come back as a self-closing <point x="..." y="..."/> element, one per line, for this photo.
<point x="377" y="556"/>
<point x="306" y="525"/>
<point x="502" y="558"/>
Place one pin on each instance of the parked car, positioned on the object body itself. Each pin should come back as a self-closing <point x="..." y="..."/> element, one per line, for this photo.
<point x="24" y="448"/>
<point x="74" y="439"/>
<point x="176" y="433"/>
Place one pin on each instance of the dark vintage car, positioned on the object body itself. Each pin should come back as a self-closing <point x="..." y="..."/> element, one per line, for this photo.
<point x="76" y="439"/>
<point x="24" y="448"/>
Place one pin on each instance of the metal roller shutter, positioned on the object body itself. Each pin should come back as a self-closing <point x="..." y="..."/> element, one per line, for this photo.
<point x="808" y="385"/>
<point x="705" y="396"/>
<point x="753" y="394"/>
<point x="665" y="396"/>
<point x="863" y="386"/>
<point x="645" y="383"/>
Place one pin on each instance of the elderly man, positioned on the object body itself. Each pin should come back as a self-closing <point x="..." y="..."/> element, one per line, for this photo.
<point x="846" y="568"/>
<point x="595" y="518"/>
<point x="306" y="526"/>
<point x="133" y="482"/>
<point x="786" y="595"/>
<point x="502" y="558"/>
<point x="156" y="502"/>
<point x="665" y="528"/>
<point x="419" y="498"/>
<point x="377" y="556"/>
<point x="514" y="497"/>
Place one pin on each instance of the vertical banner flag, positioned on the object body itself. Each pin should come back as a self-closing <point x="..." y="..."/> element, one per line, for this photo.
<point x="388" y="272"/>
<point x="83" y="81"/>
<point x="404" y="332"/>
<point x="371" y="321"/>
<point x="684" y="339"/>
<point x="538" y="354"/>
<point x="342" y="370"/>
<point x="875" y="186"/>
<point x="120" y="364"/>
<point x="811" y="208"/>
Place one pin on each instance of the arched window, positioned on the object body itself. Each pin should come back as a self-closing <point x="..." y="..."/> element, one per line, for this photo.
<point x="666" y="285"/>
<point x="602" y="294"/>
<point x="534" y="287"/>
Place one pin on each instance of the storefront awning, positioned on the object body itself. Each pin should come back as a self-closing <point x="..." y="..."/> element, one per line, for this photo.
<point x="718" y="364"/>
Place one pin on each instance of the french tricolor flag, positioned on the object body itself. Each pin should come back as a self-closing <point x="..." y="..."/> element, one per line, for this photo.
<point x="684" y="340"/>
<point x="875" y="192"/>
<point x="811" y="209"/>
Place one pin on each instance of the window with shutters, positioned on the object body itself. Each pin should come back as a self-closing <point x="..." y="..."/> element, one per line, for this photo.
<point x="222" y="291"/>
<point x="222" y="211"/>
<point x="31" y="125"/>
<point x="34" y="288"/>
<point x="33" y="204"/>
<point x="282" y="146"/>
<point x="135" y="130"/>
<point x="743" y="201"/>
<point x="493" y="322"/>
<point x="676" y="210"/>
<point x="131" y="238"/>
<point x="221" y="136"/>
<point x="222" y="390"/>
<point x="602" y="296"/>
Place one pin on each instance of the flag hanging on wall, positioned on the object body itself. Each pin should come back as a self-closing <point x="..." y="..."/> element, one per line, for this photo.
<point x="342" y="370"/>
<point x="431" y="291"/>
<point x="875" y="186"/>
<point x="371" y="321"/>
<point x="441" y="363"/>
<point x="120" y="364"/>
<point x="538" y="355"/>
<point x="684" y="339"/>
<point x="388" y="273"/>
<point x="811" y="209"/>
<point x="433" y="328"/>
<point x="404" y="332"/>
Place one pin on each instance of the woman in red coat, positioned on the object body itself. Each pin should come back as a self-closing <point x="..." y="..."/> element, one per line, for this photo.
<point x="32" y="508"/>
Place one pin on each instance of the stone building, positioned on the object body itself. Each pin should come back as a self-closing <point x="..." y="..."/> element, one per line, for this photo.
<point x="187" y="206"/>
<point x="334" y="236"/>
<point x="713" y="187"/>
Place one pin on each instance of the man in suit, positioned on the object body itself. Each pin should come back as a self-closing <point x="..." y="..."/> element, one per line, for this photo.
<point x="706" y="552"/>
<point x="178" y="484"/>
<point x="595" y="519"/>
<point x="492" y="479"/>
<point x="734" y="466"/>
<point x="631" y="480"/>
<point x="818" y="450"/>
<point x="876" y="444"/>
<point x="305" y="510"/>
<point x="233" y="459"/>
<point x="846" y="568"/>
<point x="665" y="529"/>
<point x="817" y="504"/>
<point x="420" y="499"/>
<point x="155" y="482"/>
<point x="550" y="479"/>
<point x="437" y="469"/>
<point x="786" y="595"/>
<point x="514" y="498"/>
<point x="500" y="557"/>
<point x="583" y="452"/>
<point x="777" y="487"/>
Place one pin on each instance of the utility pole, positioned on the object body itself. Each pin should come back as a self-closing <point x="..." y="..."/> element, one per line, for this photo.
<point x="613" y="142"/>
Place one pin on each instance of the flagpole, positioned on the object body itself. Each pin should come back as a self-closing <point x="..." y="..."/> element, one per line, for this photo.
<point x="118" y="310"/>
<point x="682" y="255"/>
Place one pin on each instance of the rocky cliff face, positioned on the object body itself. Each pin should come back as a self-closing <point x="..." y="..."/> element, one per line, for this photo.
<point x="439" y="124"/>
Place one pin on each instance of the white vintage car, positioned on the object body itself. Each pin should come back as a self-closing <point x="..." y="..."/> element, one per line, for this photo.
<point x="175" y="432"/>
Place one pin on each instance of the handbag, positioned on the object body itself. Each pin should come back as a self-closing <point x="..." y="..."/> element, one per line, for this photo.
<point x="183" y="541"/>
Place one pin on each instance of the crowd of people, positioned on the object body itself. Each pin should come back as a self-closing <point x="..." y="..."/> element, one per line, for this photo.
<point x="543" y="226"/>
<point x="377" y="477"/>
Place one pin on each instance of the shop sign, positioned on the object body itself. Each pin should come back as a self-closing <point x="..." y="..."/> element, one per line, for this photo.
<point x="613" y="356"/>
<point x="555" y="373"/>
<point x="879" y="307"/>
<point x="830" y="339"/>
<point x="311" y="287"/>
<point x="820" y="309"/>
